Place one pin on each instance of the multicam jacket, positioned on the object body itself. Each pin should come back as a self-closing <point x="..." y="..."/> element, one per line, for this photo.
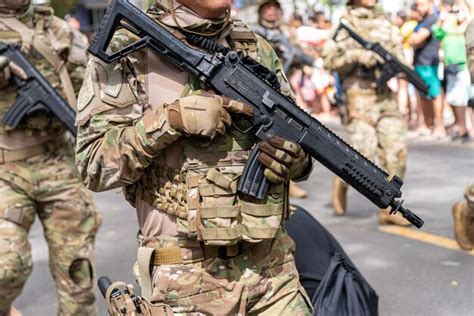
<point x="64" y="43"/>
<point x="180" y="186"/>
<point x="357" y="66"/>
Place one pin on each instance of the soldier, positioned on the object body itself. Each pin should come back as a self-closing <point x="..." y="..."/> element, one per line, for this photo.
<point x="463" y="219"/>
<point x="204" y="248"/>
<point x="463" y="212"/>
<point x="37" y="172"/>
<point x="270" y="27"/>
<point x="376" y="127"/>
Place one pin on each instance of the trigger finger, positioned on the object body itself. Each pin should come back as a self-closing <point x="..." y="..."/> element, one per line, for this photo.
<point x="237" y="107"/>
<point x="17" y="71"/>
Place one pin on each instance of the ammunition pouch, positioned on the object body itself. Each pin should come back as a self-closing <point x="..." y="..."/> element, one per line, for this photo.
<point x="218" y="216"/>
<point x="7" y="156"/>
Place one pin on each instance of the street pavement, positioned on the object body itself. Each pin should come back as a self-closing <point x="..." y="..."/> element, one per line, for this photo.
<point x="411" y="277"/>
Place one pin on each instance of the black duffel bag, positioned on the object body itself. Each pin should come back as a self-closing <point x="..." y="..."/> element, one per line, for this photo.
<point x="330" y="279"/>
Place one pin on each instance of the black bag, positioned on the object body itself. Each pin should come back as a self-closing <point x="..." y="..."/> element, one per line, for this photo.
<point x="452" y="69"/>
<point x="330" y="279"/>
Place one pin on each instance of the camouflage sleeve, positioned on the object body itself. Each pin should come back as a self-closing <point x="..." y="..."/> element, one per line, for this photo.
<point x="340" y="56"/>
<point x="72" y="47"/>
<point x="269" y="59"/>
<point x="77" y="60"/>
<point x="116" y="139"/>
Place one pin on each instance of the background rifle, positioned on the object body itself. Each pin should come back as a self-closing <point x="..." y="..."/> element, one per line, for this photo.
<point x="35" y="94"/>
<point x="243" y="79"/>
<point x="392" y="66"/>
<point x="290" y="54"/>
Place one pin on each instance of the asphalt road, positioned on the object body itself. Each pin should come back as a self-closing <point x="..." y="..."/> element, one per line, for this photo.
<point x="411" y="277"/>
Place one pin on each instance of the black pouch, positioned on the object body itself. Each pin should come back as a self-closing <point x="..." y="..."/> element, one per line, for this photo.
<point x="453" y="69"/>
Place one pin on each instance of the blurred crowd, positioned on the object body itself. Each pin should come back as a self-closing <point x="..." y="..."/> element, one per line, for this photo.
<point x="434" y="40"/>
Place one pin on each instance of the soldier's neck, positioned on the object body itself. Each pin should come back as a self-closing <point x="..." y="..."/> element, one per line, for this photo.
<point x="270" y="24"/>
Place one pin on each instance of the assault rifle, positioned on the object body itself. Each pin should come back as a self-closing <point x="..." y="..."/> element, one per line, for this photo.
<point x="289" y="52"/>
<point x="121" y="300"/>
<point x="392" y="66"/>
<point x="35" y="94"/>
<point x="241" y="78"/>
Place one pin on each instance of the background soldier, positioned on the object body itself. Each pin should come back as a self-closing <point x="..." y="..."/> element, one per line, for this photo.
<point x="212" y="250"/>
<point x="463" y="218"/>
<point x="270" y="26"/>
<point x="376" y="127"/>
<point x="37" y="173"/>
<point x="463" y="212"/>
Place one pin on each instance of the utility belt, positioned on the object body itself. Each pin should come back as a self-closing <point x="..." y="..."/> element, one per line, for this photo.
<point x="201" y="252"/>
<point x="355" y="114"/>
<point x="174" y="250"/>
<point x="7" y="156"/>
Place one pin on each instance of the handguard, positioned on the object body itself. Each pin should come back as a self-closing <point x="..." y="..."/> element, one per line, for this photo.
<point x="235" y="77"/>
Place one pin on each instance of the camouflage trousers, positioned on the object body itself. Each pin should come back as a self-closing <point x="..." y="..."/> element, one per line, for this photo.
<point x="262" y="280"/>
<point x="379" y="132"/>
<point x="48" y="185"/>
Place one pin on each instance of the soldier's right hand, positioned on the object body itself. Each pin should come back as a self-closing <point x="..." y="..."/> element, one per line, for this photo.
<point x="7" y="68"/>
<point x="204" y="115"/>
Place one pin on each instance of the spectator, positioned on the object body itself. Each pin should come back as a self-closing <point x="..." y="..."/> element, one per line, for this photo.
<point x="407" y="26"/>
<point x="450" y="30"/>
<point x="426" y="61"/>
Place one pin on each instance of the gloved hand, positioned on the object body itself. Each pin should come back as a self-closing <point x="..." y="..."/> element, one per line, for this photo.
<point x="283" y="159"/>
<point x="368" y="58"/>
<point x="204" y="115"/>
<point x="7" y="68"/>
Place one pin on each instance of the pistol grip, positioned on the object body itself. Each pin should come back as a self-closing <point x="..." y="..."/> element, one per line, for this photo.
<point x="253" y="182"/>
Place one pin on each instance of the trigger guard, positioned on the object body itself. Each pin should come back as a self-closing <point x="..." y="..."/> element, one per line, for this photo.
<point x="38" y="108"/>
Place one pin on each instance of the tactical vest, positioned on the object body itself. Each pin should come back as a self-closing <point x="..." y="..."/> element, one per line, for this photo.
<point x="45" y="57"/>
<point x="201" y="189"/>
<point x="376" y="28"/>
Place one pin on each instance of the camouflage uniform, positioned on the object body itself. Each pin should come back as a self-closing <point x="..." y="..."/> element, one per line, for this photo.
<point x="272" y="31"/>
<point x="463" y="212"/>
<point x="376" y="127"/>
<point x="463" y="218"/>
<point x="38" y="176"/>
<point x="212" y="250"/>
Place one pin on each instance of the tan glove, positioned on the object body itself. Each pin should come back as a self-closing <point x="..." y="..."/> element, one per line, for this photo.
<point x="204" y="116"/>
<point x="368" y="58"/>
<point x="283" y="159"/>
<point x="7" y="68"/>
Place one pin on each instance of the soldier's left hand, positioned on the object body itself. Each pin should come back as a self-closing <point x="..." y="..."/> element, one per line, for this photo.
<point x="7" y="68"/>
<point x="283" y="159"/>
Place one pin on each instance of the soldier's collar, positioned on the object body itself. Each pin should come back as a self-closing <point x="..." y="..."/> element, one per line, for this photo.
<point x="268" y="24"/>
<point x="361" y="12"/>
<point x="182" y="17"/>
